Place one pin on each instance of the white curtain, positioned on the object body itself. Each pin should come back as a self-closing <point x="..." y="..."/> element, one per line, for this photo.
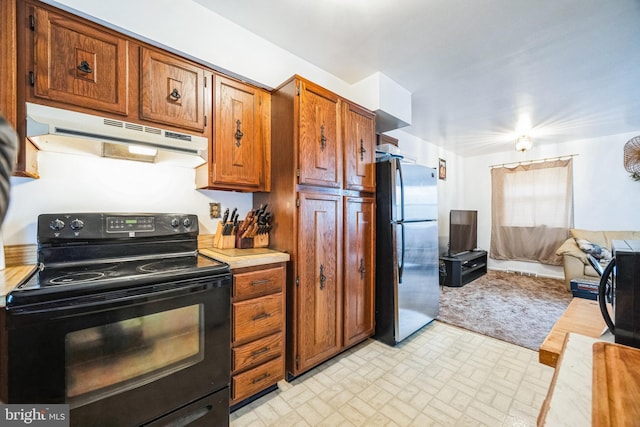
<point x="531" y="211"/>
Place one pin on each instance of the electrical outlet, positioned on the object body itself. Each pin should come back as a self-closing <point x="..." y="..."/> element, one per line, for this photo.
<point x="214" y="210"/>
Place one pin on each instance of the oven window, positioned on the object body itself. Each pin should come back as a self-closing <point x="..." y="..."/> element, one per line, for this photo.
<point x="109" y="359"/>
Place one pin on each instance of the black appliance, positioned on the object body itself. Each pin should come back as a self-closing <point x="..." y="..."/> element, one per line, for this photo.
<point x="124" y="321"/>
<point x="407" y="267"/>
<point x="620" y="285"/>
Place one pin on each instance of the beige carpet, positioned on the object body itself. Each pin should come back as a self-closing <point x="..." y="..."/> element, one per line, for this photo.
<point x="507" y="306"/>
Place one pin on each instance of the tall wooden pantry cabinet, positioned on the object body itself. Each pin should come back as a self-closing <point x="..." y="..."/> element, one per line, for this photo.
<point x="323" y="202"/>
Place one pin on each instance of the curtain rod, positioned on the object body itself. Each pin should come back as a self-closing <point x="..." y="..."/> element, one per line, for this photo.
<point x="534" y="161"/>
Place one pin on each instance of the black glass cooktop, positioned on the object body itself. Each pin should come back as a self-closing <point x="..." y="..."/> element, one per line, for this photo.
<point x="65" y="281"/>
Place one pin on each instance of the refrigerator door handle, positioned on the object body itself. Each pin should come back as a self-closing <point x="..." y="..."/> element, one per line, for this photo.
<point x="401" y="254"/>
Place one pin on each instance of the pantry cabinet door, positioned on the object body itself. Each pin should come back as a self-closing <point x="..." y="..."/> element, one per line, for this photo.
<point x="359" y="148"/>
<point x="359" y="269"/>
<point x="319" y="293"/>
<point x="320" y="142"/>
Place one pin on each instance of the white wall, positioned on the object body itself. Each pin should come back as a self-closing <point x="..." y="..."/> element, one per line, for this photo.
<point x="72" y="183"/>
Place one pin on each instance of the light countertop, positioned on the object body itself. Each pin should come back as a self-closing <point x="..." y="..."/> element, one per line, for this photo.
<point x="569" y="401"/>
<point x="239" y="258"/>
<point x="11" y="277"/>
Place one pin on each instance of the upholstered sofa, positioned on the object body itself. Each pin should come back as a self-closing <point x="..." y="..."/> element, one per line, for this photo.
<point x="574" y="259"/>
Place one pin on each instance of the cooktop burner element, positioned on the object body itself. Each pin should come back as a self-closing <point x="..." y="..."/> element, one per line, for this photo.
<point x="76" y="278"/>
<point x="97" y="252"/>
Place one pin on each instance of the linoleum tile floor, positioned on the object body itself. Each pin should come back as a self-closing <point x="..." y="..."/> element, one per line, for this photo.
<point x="440" y="376"/>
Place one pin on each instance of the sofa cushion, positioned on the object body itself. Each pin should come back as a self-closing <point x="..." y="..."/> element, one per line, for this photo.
<point x="593" y="249"/>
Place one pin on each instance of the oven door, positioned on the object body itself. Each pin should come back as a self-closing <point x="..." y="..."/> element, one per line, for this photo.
<point x="126" y="357"/>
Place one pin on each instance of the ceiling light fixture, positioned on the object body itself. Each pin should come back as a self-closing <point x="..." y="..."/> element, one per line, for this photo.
<point x="523" y="143"/>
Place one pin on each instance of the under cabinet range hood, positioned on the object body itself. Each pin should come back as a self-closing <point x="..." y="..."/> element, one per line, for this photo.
<point x="64" y="131"/>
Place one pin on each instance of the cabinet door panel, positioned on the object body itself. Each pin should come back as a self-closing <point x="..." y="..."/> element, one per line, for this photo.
<point x="359" y="276"/>
<point x="320" y="140"/>
<point x="319" y="297"/>
<point x="171" y="90"/>
<point x="77" y="64"/>
<point x="238" y="148"/>
<point x="359" y="148"/>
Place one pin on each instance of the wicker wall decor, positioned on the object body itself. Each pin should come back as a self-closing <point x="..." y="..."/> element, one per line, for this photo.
<point x="632" y="157"/>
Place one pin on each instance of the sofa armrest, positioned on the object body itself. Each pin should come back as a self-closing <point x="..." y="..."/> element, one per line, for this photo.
<point x="573" y="268"/>
<point x="570" y="247"/>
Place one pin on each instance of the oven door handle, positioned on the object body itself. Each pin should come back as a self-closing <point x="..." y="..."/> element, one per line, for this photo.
<point x="112" y="300"/>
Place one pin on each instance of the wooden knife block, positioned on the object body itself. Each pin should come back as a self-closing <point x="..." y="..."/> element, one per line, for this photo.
<point x="221" y="241"/>
<point x="261" y="240"/>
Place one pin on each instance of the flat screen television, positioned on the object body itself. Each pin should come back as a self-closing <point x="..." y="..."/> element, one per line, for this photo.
<point x="463" y="231"/>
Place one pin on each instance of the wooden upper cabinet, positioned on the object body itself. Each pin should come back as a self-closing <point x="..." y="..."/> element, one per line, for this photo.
<point x="171" y="90"/>
<point x="359" y="269"/>
<point x="359" y="148"/>
<point x="320" y="143"/>
<point x="242" y="135"/>
<point x="77" y="63"/>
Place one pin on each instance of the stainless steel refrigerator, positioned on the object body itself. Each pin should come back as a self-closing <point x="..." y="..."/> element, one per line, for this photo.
<point x="407" y="277"/>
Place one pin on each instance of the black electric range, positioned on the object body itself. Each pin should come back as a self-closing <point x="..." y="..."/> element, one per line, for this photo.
<point x="123" y="320"/>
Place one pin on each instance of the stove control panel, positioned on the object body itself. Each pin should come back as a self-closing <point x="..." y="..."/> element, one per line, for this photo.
<point x="102" y="226"/>
<point x="118" y="224"/>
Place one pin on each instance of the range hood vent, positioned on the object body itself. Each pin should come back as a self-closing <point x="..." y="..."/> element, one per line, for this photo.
<point x="64" y="131"/>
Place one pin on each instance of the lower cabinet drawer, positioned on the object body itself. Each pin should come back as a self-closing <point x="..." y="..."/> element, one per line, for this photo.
<point x="257" y="317"/>
<point x="257" y="351"/>
<point x="254" y="380"/>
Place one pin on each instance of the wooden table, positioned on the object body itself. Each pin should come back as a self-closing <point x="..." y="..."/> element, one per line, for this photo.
<point x="583" y="317"/>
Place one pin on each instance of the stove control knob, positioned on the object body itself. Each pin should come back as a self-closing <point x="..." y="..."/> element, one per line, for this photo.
<point x="175" y="222"/>
<point x="77" y="224"/>
<point x="56" y="224"/>
<point x="186" y="222"/>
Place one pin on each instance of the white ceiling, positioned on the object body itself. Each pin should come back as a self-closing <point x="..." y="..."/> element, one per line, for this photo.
<point x="473" y="66"/>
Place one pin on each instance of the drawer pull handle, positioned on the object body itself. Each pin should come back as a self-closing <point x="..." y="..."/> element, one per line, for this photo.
<point x="175" y="95"/>
<point x="362" y="150"/>
<point x="261" y="316"/>
<point x="259" y="352"/>
<point x="261" y="378"/>
<point x="85" y="67"/>
<point x="260" y="282"/>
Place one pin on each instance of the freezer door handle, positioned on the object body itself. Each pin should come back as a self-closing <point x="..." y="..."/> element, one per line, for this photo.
<point x="399" y="167"/>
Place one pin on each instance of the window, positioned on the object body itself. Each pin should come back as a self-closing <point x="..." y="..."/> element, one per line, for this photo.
<point x="531" y="211"/>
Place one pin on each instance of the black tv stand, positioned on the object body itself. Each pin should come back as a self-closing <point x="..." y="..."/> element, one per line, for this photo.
<point x="464" y="268"/>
